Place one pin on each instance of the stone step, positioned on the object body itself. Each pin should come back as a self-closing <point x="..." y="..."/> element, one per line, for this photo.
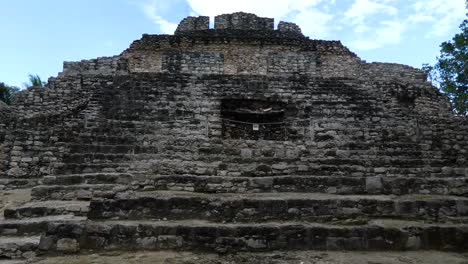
<point x="98" y="158"/>
<point x="76" y="192"/>
<point x="274" y="167"/>
<point x="181" y="146"/>
<point x="115" y="139"/>
<point x="33" y="226"/>
<point x="261" y="207"/>
<point x="108" y="167"/>
<point x="47" y="208"/>
<point x="405" y="158"/>
<point x="308" y="183"/>
<point x="18" y="247"/>
<point x="101" y="148"/>
<point x="17" y="183"/>
<point x="283" y="183"/>
<point x="89" y="178"/>
<point x="222" y="238"/>
<point x="123" y="144"/>
<point x="281" y="166"/>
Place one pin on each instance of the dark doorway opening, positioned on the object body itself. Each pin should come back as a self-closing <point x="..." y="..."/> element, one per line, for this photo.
<point x="253" y="119"/>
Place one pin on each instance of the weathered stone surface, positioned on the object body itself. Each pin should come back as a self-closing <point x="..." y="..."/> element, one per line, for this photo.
<point x="289" y="27"/>
<point x="388" y="235"/>
<point x="46" y="243"/>
<point x="262" y="207"/>
<point x="234" y="129"/>
<point x="18" y="247"/>
<point x="67" y="245"/>
<point x="374" y="184"/>
<point x="243" y="21"/>
<point x="193" y="24"/>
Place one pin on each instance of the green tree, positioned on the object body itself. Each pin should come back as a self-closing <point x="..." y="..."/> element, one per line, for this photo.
<point x="7" y="92"/>
<point x="34" y="81"/>
<point x="450" y="72"/>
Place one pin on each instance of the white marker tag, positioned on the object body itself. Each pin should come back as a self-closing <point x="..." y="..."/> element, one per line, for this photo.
<point x="255" y="127"/>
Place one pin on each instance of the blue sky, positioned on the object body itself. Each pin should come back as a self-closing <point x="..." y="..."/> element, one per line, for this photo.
<point x="38" y="35"/>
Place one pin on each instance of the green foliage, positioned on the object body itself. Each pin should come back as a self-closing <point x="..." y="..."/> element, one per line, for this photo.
<point x="7" y="92"/>
<point x="429" y="70"/>
<point x="34" y="81"/>
<point x="451" y="70"/>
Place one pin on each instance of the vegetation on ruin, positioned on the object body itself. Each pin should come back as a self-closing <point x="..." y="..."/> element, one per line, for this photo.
<point x="34" y="81"/>
<point x="450" y="72"/>
<point x="7" y="92"/>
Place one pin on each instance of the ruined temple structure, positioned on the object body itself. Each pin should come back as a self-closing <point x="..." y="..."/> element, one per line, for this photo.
<point x="240" y="137"/>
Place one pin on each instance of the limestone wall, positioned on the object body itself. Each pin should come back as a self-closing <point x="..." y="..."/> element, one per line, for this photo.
<point x="33" y="142"/>
<point x="392" y="71"/>
<point x="61" y="97"/>
<point x="193" y="62"/>
<point x="289" y="27"/>
<point x="5" y="125"/>
<point x="239" y="56"/>
<point x="172" y="124"/>
<point x="157" y="109"/>
<point x="193" y="24"/>
<point x="243" y="21"/>
<point x="102" y="65"/>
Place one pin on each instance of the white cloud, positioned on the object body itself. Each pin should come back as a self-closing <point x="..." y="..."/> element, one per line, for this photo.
<point x="371" y="23"/>
<point x="420" y="18"/>
<point x="313" y="20"/>
<point x="365" y="44"/>
<point x="268" y="8"/>
<point x="313" y="23"/>
<point x="396" y="18"/>
<point x="361" y="28"/>
<point x="445" y="13"/>
<point x="362" y="16"/>
<point x="375" y="23"/>
<point x="390" y="32"/>
<point x="151" y="11"/>
<point x="362" y="9"/>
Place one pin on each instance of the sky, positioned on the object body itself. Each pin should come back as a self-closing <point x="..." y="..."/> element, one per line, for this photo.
<point x="37" y="36"/>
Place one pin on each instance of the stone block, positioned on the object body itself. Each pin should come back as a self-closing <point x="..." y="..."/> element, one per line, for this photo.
<point x="189" y="24"/>
<point x="243" y="21"/>
<point x="263" y="182"/>
<point x="288" y="27"/>
<point x="374" y="184"/>
<point x="170" y="242"/>
<point x="256" y="243"/>
<point x="147" y="243"/>
<point x="413" y="243"/>
<point x="462" y="207"/>
<point x="68" y="245"/>
<point x="246" y="153"/>
<point x="84" y="194"/>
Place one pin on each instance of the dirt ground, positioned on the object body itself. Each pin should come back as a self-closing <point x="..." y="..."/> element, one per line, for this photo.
<point x="300" y="257"/>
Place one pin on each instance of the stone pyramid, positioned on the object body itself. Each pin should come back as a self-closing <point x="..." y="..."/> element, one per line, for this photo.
<point x="240" y="137"/>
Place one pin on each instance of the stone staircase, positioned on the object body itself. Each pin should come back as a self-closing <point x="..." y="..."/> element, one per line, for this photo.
<point x="159" y="148"/>
<point x="110" y="191"/>
<point x="22" y="226"/>
<point x="123" y="211"/>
